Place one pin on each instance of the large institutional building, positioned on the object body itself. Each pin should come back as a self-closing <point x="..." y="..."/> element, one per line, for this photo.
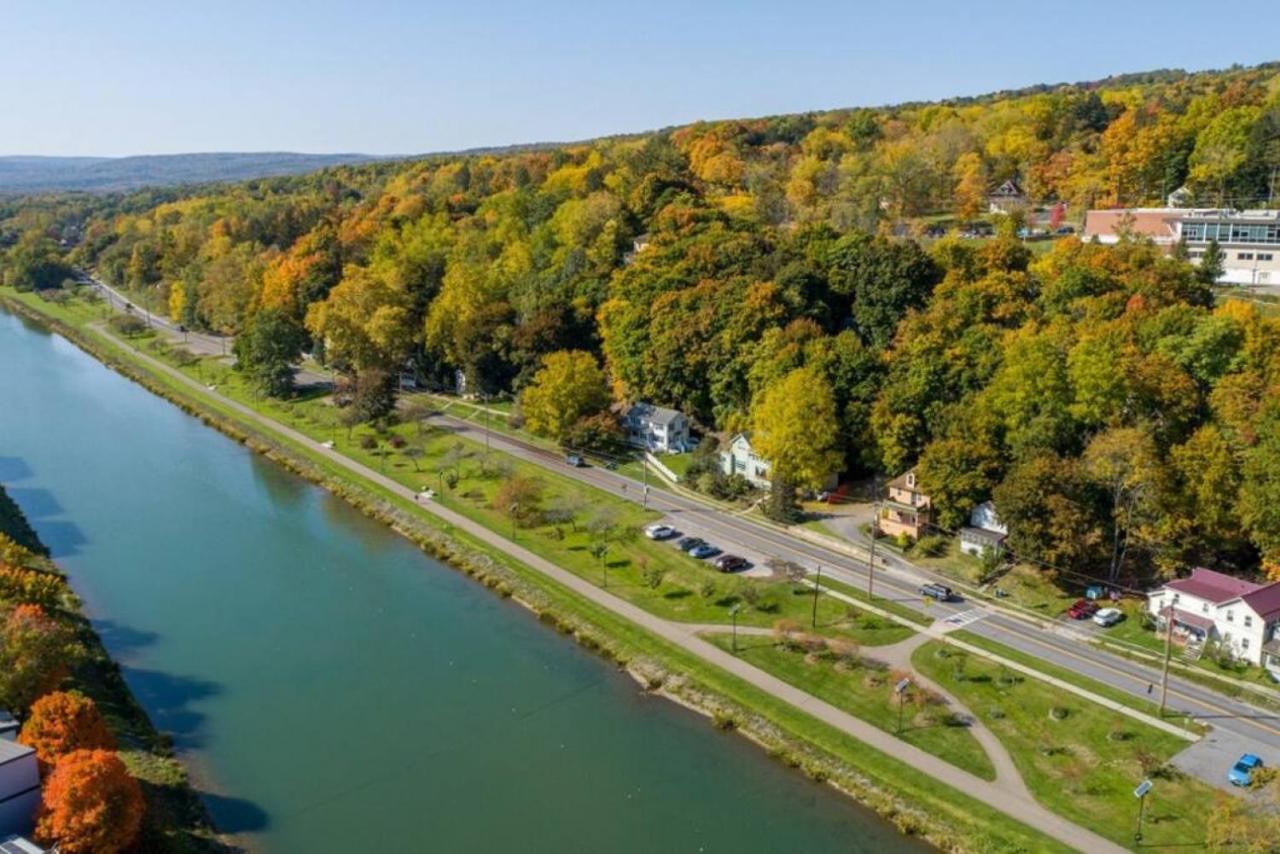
<point x="1250" y="240"/>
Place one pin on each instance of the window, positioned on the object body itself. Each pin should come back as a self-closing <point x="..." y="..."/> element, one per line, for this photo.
<point x="1264" y="256"/>
<point x="1245" y="256"/>
<point x="1248" y="621"/>
<point x="1176" y="597"/>
<point x="1231" y="616"/>
<point x="1204" y="607"/>
<point x="1244" y="643"/>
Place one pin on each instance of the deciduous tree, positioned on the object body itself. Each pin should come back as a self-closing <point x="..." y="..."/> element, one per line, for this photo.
<point x="90" y="805"/>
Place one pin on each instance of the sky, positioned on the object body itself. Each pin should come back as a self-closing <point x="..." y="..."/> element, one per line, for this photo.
<point x="118" y="78"/>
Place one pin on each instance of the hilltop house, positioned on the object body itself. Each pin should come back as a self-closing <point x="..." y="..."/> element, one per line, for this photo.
<point x="985" y="532"/>
<point x="656" y="428"/>
<point x="739" y="457"/>
<point x="907" y="510"/>
<point x="19" y="787"/>
<point x="1006" y="198"/>
<point x="1212" y="607"/>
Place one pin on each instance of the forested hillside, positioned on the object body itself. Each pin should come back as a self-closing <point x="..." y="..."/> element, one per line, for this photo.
<point x="1123" y="423"/>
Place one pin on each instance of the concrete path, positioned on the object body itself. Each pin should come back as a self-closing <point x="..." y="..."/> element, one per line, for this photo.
<point x="899" y="655"/>
<point x="684" y="636"/>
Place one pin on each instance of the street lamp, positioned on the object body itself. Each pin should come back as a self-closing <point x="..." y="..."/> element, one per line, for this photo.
<point x="512" y="508"/>
<point x="733" y="612"/>
<point x="817" y="588"/>
<point x="901" y="690"/>
<point x="1141" y="794"/>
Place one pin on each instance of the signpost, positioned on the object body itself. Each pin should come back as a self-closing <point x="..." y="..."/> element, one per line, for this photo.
<point x="901" y="690"/>
<point x="1141" y="794"/>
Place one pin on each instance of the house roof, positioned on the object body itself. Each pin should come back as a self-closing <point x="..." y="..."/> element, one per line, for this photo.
<point x="900" y="482"/>
<point x="1189" y="619"/>
<point x="1008" y="189"/>
<point x="1156" y="223"/>
<point x="1265" y="601"/>
<point x="982" y="534"/>
<point x="656" y="414"/>
<point x="11" y="750"/>
<point x="1215" y="587"/>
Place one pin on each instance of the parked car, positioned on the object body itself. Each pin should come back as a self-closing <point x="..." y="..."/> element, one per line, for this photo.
<point x="732" y="563"/>
<point x="658" y="531"/>
<point x="703" y="550"/>
<point x="1082" y="609"/>
<point x="940" y="592"/>
<point x="687" y="543"/>
<point x="1108" y="617"/>
<point x="1241" y="774"/>
<point x="575" y="460"/>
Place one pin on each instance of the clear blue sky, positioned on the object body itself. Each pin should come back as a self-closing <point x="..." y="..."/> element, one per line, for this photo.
<point x="400" y="77"/>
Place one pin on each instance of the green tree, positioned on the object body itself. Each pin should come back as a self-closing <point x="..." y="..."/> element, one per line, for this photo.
<point x="957" y="475"/>
<point x="569" y="387"/>
<point x="795" y="427"/>
<point x="267" y="350"/>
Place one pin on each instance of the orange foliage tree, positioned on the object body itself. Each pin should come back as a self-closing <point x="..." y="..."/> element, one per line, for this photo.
<point x="90" y="804"/>
<point x="61" y="723"/>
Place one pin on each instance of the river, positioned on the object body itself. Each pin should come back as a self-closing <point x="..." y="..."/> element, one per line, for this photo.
<point x="332" y="688"/>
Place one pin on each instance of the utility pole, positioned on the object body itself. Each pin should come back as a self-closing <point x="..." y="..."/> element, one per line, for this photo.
<point x="1168" y="652"/>
<point x="733" y="612"/>
<point x="817" y="588"/>
<point x="875" y="533"/>
<point x="644" y="466"/>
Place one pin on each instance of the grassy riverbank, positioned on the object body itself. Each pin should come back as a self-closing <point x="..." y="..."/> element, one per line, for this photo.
<point x="175" y="819"/>
<point x="911" y="799"/>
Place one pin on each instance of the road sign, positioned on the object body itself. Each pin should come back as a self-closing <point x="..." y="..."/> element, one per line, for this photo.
<point x="1143" y="788"/>
<point x="901" y="686"/>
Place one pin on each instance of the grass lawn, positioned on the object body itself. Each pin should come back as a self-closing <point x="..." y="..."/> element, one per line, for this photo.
<point x="890" y="605"/>
<point x="678" y="463"/>
<point x="865" y="690"/>
<point x="980" y="826"/>
<point x="1078" y="758"/>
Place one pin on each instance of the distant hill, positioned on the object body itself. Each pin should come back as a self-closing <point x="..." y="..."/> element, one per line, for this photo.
<point x="25" y="174"/>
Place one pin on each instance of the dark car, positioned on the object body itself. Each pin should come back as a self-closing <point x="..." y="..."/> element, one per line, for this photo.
<point x="704" y="550"/>
<point x="940" y="592"/>
<point x="731" y="563"/>
<point x="1082" y="609"/>
<point x="687" y="543"/>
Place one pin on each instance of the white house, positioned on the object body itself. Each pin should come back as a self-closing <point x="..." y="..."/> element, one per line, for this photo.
<point x="985" y="532"/>
<point x="19" y="788"/>
<point x="1006" y="198"/>
<point x="1212" y="607"/>
<point x="656" y="428"/>
<point x="739" y="458"/>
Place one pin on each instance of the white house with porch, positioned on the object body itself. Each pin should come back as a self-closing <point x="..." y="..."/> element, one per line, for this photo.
<point x="1213" y="607"/>
<point x="656" y="428"/>
<point x="739" y="457"/>
<point x="984" y="533"/>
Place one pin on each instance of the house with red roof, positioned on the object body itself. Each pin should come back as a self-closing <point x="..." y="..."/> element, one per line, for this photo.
<point x="1213" y="607"/>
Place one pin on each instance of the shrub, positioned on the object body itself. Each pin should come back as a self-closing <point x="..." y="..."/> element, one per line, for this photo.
<point x="90" y="804"/>
<point x="368" y="443"/>
<point x="653" y="577"/>
<point x="61" y="723"/>
<point x="707" y="589"/>
<point x="933" y="545"/>
<point x="127" y="325"/>
<point x="397" y="441"/>
<point x="1059" y="713"/>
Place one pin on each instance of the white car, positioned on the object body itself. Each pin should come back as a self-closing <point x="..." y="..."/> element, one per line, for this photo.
<point x="1108" y="617"/>
<point x="659" y="532"/>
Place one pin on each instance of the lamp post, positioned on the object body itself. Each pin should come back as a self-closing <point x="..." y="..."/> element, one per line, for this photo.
<point x="901" y="690"/>
<point x="817" y="588"/>
<point x="512" y="509"/>
<point x="1141" y="794"/>
<point x="1168" y="652"/>
<point x="733" y="612"/>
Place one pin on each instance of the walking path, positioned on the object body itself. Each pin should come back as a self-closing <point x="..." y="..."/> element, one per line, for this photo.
<point x="899" y="655"/>
<point x="1019" y="806"/>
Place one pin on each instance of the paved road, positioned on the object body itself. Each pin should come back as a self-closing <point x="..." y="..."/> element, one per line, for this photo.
<point x="197" y="342"/>
<point x="899" y="580"/>
<point x="685" y="636"/>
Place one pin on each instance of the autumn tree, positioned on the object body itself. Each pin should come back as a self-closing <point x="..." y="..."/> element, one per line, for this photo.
<point x="958" y="474"/>
<point x="970" y="195"/>
<point x="61" y="722"/>
<point x="569" y="387"/>
<point x="90" y="804"/>
<point x="519" y="498"/>
<point x="794" y="427"/>
<point x="36" y="652"/>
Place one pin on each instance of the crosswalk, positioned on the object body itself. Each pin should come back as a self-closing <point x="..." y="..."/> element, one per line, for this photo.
<point x="964" y="618"/>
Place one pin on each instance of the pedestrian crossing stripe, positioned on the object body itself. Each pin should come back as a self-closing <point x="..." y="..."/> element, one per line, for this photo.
<point x="964" y="618"/>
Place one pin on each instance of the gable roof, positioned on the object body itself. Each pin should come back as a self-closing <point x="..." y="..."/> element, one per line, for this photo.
<point x="1265" y="601"/>
<point x="1215" y="587"/>
<point x="656" y="414"/>
<point x="1008" y="189"/>
<point x="900" y="482"/>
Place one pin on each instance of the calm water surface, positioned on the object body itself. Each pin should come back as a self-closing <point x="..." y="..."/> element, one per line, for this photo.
<point x="332" y="688"/>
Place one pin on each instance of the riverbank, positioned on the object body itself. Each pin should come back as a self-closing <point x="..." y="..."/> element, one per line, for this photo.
<point x="175" y="819"/>
<point x="910" y="797"/>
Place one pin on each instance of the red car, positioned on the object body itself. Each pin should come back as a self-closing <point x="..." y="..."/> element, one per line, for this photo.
<point x="1082" y="609"/>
